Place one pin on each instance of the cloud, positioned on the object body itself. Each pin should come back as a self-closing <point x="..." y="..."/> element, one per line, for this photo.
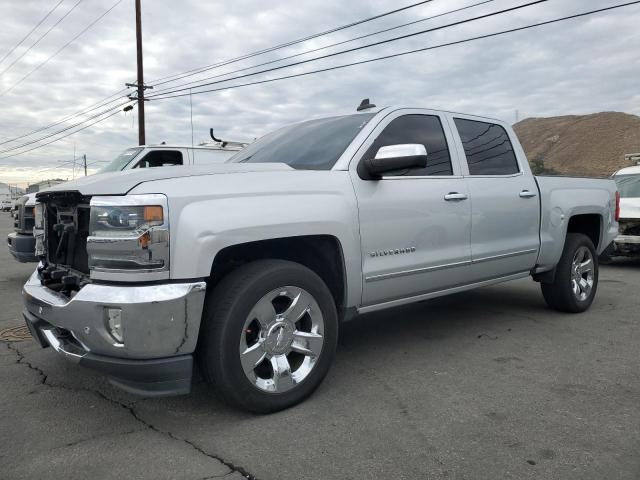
<point x="580" y="66"/>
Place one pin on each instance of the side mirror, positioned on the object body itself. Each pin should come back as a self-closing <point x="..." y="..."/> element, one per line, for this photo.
<point x="396" y="157"/>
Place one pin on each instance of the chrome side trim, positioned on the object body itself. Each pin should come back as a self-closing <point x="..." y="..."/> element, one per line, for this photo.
<point x="385" y="276"/>
<point x="402" y="273"/>
<point x="504" y="255"/>
<point x="440" y="293"/>
<point x="418" y="177"/>
<point x="509" y="175"/>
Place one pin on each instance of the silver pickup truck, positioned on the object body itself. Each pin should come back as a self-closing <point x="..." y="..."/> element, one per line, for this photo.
<point x="250" y="266"/>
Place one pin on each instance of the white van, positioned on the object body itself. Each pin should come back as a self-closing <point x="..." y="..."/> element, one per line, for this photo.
<point x="149" y="156"/>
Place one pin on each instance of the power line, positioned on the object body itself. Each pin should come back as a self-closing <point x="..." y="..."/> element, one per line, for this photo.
<point x="408" y="52"/>
<point x="178" y="76"/>
<point x="100" y="104"/>
<point x="81" y="112"/>
<point x="349" y="50"/>
<point x="100" y="17"/>
<point x="94" y="106"/>
<point x="31" y="31"/>
<point x="61" y="165"/>
<point x="17" y="147"/>
<point x="41" y="37"/>
<point x="329" y="46"/>
<point x="64" y="136"/>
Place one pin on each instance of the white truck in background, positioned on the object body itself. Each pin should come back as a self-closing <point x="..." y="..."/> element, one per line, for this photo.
<point x="627" y="242"/>
<point x="250" y="266"/>
<point x="163" y="155"/>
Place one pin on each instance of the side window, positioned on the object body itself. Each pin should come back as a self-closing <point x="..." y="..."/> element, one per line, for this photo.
<point x="160" y="158"/>
<point x="424" y="129"/>
<point x="487" y="148"/>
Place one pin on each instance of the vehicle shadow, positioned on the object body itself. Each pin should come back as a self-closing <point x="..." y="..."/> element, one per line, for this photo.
<point x="624" y="262"/>
<point x="443" y="323"/>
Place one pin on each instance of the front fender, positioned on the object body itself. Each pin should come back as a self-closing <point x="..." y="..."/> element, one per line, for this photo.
<point x="229" y="210"/>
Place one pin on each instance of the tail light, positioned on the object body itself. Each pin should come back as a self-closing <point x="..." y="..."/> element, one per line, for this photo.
<point x="617" y="217"/>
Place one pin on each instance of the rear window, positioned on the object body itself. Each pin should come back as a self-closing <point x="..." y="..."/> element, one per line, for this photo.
<point x="628" y="185"/>
<point x="487" y="148"/>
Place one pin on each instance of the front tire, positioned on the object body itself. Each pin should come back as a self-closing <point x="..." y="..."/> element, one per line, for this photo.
<point x="269" y="335"/>
<point x="576" y="278"/>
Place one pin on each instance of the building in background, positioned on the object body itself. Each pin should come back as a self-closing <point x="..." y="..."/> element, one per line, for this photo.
<point x="10" y="192"/>
<point x="36" y="187"/>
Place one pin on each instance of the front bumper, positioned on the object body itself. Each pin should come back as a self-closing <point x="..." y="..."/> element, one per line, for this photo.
<point x="22" y="247"/>
<point x="160" y="325"/>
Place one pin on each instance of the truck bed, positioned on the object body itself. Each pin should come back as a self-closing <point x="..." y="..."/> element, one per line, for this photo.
<point x="562" y="198"/>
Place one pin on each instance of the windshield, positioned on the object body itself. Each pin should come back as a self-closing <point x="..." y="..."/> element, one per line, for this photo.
<point x="311" y="145"/>
<point x="628" y="185"/>
<point x="122" y="160"/>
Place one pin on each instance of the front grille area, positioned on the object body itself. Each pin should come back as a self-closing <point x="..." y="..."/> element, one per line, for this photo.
<point x="23" y="217"/>
<point x="66" y="230"/>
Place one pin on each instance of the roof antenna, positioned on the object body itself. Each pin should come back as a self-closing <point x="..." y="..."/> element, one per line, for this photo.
<point x="365" y="105"/>
<point x="213" y="136"/>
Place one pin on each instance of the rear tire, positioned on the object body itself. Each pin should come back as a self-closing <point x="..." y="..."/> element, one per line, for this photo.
<point x="576" y="277"/>
<point x="269" y="335"/>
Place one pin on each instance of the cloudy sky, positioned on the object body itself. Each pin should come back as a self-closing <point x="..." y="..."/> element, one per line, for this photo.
<point x="580" y="66"/>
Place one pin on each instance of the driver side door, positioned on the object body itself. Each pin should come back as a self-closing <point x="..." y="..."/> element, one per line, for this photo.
<point x="415" y="224"/>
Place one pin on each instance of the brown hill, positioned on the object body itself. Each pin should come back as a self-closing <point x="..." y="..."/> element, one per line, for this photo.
<point x="591" y="145"/>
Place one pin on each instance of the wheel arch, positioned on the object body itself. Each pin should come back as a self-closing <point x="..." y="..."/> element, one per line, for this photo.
<point x="322" y="254"/>
<point x="589" y="224"/>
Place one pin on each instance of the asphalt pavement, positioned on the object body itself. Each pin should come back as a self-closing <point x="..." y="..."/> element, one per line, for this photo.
<point x="488" y="384"/>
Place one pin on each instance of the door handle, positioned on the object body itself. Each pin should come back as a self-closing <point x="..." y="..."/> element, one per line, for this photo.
<point x="527" y="194"/>
<point x="455" y="196"/>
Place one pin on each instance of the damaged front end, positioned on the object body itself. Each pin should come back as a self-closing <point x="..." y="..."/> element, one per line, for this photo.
<point x="627" y="243"/>
<point x="101" y="295"/>
<point x="61" y="229"/>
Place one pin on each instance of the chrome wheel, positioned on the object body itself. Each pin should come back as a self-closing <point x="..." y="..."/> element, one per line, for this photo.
<point x="282" y="339"/>
<point x="582" y="273"/>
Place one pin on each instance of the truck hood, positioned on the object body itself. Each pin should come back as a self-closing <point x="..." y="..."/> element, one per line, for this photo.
<point x="630" y="208"/>
<point x="119" y="183"/>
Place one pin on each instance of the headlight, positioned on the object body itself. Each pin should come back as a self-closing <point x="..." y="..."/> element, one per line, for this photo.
<point x="129" y="234"/>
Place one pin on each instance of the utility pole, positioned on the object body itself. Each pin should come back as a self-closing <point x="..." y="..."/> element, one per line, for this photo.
<point x="140" y="83"/>
<point x="141" y="132"/>
<point x="84" y="157"/>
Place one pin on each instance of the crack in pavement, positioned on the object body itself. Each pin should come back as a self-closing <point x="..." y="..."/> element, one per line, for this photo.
<point x="22" y="360"/>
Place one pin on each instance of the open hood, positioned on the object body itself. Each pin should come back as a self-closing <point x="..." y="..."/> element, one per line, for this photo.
<point x="119" y="183"/>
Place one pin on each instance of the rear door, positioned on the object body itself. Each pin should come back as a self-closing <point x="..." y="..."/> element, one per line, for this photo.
<point x="505" y="208"/>
<point x="414" y="224"/>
